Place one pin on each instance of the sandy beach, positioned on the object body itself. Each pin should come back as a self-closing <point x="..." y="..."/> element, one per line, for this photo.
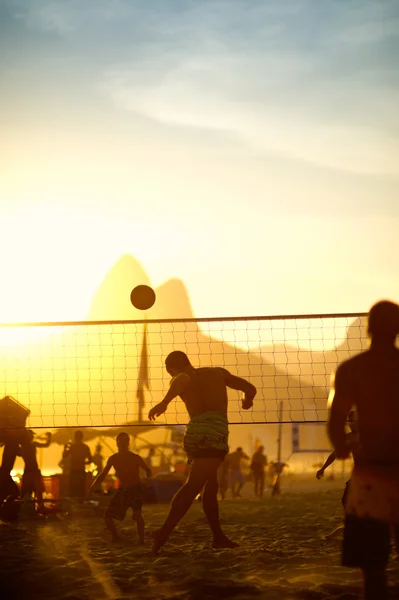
<point x="282" y="555"/>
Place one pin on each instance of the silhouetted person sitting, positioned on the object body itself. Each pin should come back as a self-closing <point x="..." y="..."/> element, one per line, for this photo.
<point x="130" y="493"/>
<point x="204" y="393"/>
<point x="32" y="480"/>
<point x="258" y="465"/>
<point x="79" y="455"/>
<point x="370" y="383"/>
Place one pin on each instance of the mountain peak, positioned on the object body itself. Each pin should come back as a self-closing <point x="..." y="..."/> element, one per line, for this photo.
<point x="112" y="299"/>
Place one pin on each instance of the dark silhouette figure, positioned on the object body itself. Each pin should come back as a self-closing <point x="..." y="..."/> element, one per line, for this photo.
<point x="150" y="456"/>
<point x="236" y="474"/>
<point x="79" y="456"/>
<point x="369" y="382"/>
<point x="130" y="492"/>
<point x="32" y="480"/>
<point x="8" y="488"/>
<point x="204" y="393"/>
<point x="64" y="464"/>
<point x="258" y="465"/>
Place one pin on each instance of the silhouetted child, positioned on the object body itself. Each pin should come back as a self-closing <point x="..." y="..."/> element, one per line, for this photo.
<point x="130" y="493"/>
<point x="32" y="480"/>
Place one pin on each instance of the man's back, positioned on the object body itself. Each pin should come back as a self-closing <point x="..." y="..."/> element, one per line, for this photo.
<point x="79" y="456"/>
<point x="372" y="381"/>
<point x="205" y="391"/>
<point x="127" y="465"/>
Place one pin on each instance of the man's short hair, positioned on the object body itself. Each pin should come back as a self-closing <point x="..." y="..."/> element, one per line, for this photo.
<point x="122" y="435"/>
<point x="78" y="435"/>
<point x="177" y="360"/>
<point x="384" y="319"/>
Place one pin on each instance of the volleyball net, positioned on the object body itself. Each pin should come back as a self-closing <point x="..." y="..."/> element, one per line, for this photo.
<point x="109" y="374"/>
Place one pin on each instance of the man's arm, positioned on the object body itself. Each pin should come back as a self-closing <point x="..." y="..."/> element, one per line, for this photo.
<point x="145" y="467"/>
<point x="101" y="476"/>
<point x="242" y="385"/>
<point x="328" y="462"/>
<point x="176" y="388"/>
<point x="45" y="444"/>
<point x="89" y="458"/>
<point x="341" y="400"/>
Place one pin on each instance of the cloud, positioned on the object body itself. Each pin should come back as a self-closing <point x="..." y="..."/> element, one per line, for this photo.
<point x="305" y="81"/>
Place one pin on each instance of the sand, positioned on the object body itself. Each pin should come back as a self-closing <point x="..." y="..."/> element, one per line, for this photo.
<point x="282" y="555"/>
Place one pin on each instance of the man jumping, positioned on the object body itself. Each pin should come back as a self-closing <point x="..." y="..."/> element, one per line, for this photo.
<point x="204" y="392"/>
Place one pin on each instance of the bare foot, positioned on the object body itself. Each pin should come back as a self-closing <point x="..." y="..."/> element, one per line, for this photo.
<point x="223" y="542"/>
<point x="157" y="541"/>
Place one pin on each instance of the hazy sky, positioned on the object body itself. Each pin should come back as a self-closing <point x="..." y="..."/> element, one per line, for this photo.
<point x="249" y="148"/>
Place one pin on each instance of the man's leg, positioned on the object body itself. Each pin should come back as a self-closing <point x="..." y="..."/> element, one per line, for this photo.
<point x="211" y="510"/>
<point x="138" y="517"/>
<point x="261" y="485"/>
<point x="375" y="584"/>
<point x="201" y="469"/>
<point x="110" y="524"/>
<point x="240" y="484"/>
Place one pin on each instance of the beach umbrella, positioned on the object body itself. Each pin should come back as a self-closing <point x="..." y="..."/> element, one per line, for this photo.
<point x="63" y="435"/>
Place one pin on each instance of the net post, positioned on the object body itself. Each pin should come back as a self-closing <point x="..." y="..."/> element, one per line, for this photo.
<point x="276" y="487"/>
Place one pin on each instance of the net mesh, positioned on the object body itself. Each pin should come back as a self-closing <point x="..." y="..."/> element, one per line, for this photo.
<point x="111" y="373"/>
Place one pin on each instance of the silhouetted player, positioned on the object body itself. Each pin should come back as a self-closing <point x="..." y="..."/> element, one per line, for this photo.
<point x="370" y="383"/>
<point x="204" y="394"/>
<point x="32" y="480"/>
<point x="130" y="493"/>
<point x="258" y="465"/>
<point x="236" y="474"/>
<point x="79" y="456"/>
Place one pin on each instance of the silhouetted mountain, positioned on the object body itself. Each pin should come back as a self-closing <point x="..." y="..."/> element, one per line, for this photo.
<point x="112" y="299"/>
<point x="172" y="301"/>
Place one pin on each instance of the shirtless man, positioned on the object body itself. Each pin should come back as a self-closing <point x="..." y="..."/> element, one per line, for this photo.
<point x="204" y="393"/>
<point x="370" y="383"/>
<point x="130" y="493"/>
<point x="258" y="465"/>
<point x="79" y="456"/>
<point x="237" y="477"/>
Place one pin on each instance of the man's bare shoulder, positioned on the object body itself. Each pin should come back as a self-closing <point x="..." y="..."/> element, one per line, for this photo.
<point x="212" y="371"/>
<point x="347" y="367"/>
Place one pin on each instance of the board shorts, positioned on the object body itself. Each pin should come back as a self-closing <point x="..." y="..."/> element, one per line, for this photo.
<point x="371" y="502"/>
<point x="122" y="500"/>
<point x="32" y="481"/>
<point x="207" y="436"/>
<point x="77" y="484"/>
<point x="237" y="477"/>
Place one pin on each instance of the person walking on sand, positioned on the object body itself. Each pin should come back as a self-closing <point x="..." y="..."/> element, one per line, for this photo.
<point x="369" y="382"/>
<point x="236" y="474"/>
<point x="258" y="465"/>
<point x="79" y="456"/>
<point x="32" y="480"/>
<point x="204" y="393"/>
<point x="127" y="465"/>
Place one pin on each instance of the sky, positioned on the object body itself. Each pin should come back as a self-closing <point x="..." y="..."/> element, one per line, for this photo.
<point x="248" y="148"/>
